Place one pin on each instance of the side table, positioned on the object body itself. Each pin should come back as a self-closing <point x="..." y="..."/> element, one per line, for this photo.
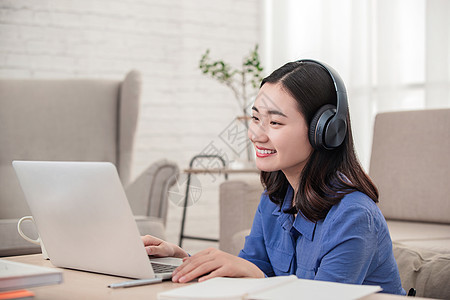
<point x="224" y="170"/>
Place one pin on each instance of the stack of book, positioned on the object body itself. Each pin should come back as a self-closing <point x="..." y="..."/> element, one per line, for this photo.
<point x="16" y="277"/>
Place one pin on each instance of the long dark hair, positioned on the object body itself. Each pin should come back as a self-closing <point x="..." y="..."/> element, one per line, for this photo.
<point x="328" y="175"/>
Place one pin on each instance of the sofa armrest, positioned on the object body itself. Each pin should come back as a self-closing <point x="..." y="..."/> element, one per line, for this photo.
<point x="238" y="201"/>
<point x="148" y="194"/>
<point x="238" y="241"/>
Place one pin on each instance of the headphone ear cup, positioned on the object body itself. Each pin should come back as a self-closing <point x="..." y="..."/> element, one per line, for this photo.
<point x="318" y="125"/>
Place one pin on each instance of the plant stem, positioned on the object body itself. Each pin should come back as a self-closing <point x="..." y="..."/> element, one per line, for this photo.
<point x="244" y="111"/>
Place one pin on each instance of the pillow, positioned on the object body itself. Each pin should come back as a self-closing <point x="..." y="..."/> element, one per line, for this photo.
<point x="425" y="270"/>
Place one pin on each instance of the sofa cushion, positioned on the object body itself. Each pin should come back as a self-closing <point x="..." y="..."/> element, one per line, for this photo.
<point x="428" y="236"/>
<point x="438" y="245"/>
<point x="405" y="231"/>
<point x="425" y="270"/>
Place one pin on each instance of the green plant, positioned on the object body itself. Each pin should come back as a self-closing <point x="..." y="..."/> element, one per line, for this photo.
<point x="244" y="81"/>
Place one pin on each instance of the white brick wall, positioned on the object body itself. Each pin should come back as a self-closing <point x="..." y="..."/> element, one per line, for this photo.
<point x="182" y="110"/>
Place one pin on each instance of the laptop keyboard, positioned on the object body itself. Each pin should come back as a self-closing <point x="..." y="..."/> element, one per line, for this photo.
<point x="162" y="268"/>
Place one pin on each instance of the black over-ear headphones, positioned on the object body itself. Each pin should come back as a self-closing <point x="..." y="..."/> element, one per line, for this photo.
<point x="328" y="127"/>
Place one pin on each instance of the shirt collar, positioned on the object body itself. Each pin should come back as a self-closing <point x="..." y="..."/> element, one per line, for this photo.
<point x="301" y="224"/>
<point x="305" y="226"/>
<point x="285" y="219"/>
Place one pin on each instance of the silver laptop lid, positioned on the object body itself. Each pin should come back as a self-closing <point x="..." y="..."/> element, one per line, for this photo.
<point x="83" y="217"/>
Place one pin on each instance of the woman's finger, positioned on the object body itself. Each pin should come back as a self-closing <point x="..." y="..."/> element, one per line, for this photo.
<point x="150" y="240"/>
<point x="156" y="251"/>
<point x="193" y="261"/>
<point x="216" y="273"/>
<point x="184" y="268"/>
<point x="191" y="264"/>
<point x="196" y="272"/>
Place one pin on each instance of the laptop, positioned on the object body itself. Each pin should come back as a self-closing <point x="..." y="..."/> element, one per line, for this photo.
<point x="84" y="219"/>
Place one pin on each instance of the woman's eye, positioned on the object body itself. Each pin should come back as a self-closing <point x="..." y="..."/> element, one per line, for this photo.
<point x="274" y="123"/>
<point x="255" y="118"/>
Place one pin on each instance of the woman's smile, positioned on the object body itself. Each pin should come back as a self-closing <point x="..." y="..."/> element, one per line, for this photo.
<point x="264" y="152"/>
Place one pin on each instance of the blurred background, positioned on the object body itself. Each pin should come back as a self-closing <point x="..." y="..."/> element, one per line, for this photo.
<point x="392" y="55"/>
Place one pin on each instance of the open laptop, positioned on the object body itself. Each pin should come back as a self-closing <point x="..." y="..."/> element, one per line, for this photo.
<point x="84" y="219"/>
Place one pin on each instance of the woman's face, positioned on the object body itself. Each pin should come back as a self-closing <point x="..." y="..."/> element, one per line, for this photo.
<point x="279" y="132"/>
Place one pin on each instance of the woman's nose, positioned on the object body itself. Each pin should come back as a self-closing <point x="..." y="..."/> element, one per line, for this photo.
<point x="256" y="133"/>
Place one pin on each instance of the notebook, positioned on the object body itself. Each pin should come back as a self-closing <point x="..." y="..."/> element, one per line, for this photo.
<point x="271" y="288"/>
<point x="84" y="219"/>
<point x="16" y="276"/>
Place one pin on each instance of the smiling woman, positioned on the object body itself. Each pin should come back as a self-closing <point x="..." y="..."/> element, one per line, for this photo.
<point x="318" y="217"/>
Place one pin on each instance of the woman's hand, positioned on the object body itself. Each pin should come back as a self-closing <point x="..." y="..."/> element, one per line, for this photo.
<point x="159" y="248"/>
<point x="216" y="263"/>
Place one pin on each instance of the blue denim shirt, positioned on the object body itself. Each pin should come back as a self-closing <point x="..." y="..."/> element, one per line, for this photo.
<point x="351" y="245"/>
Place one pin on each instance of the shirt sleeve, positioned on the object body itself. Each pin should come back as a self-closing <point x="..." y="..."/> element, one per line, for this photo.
<point x="254" y="247"/>
<point x="350" y="246"/>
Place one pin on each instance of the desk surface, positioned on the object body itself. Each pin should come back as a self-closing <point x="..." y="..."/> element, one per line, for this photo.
<point x="83" y="285"/>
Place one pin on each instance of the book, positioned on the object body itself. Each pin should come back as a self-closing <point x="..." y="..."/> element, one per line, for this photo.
<point x="280" y="287"/>
<point x="17" y="276"/>
<point x="20" y="294"/>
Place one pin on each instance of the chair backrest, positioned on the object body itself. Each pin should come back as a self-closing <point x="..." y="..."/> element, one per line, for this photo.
<point x="410" y="164"/>
<point x="70" y="119"/>
<point x="238" y="201"/>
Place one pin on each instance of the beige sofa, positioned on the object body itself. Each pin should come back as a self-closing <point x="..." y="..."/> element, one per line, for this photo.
<point x="76" y="120"/>
<point x="410" y="164"/>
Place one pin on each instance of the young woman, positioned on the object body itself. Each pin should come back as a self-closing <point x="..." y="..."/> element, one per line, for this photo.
<point x="318" y="217"/>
